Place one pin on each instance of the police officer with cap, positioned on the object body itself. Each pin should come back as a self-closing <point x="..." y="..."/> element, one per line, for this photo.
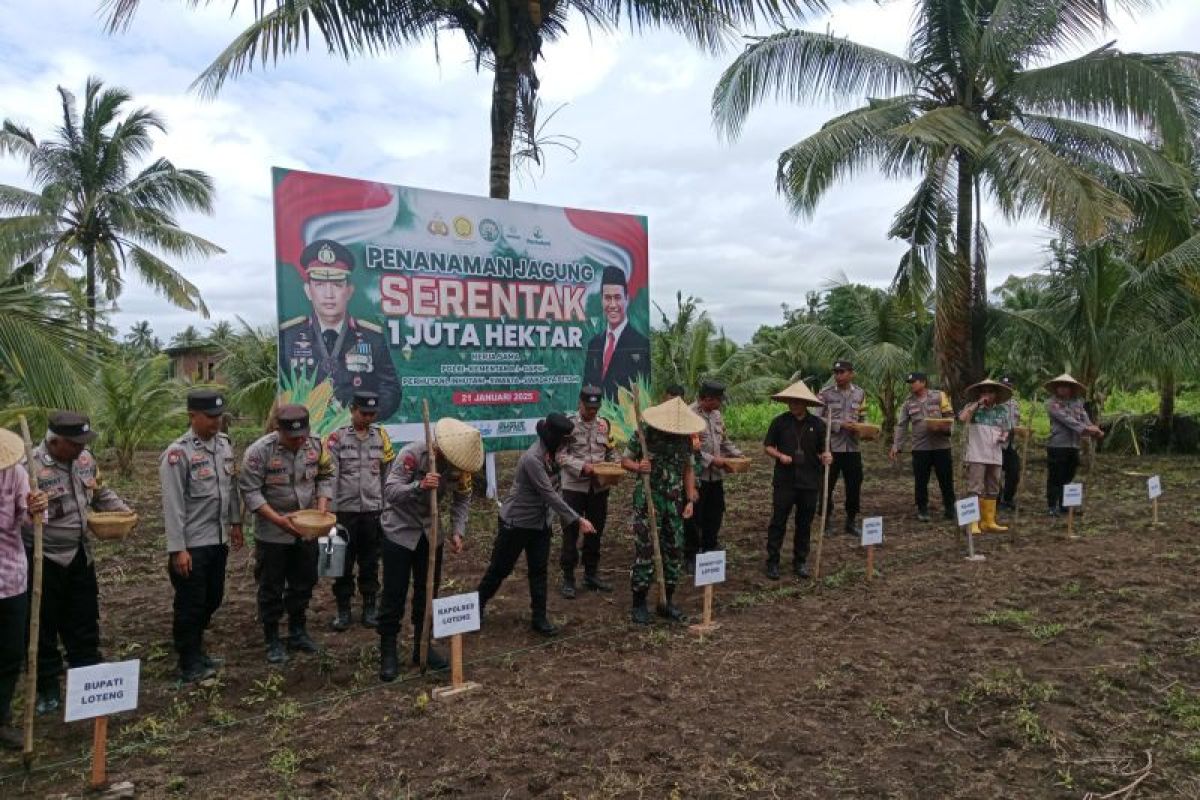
<point x="67" y="472"/>
<point x="702" y="531"/>
<point x="930" y="446"/>
<point x="589" y="443"/>
<point x="287" y="470"/>
<point x="352" y="352"/>
<point x="202" y="515"/>
<point x="846" y="404"/>
<point x="362" y="454"/>
<point x="1011" y="456"/>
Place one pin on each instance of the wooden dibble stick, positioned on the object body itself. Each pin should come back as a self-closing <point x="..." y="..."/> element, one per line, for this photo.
<point x="658" y="563"/>
<point x="432" y="535"/>
<point x="35" y="609"/>
<point x="825" y="501"/>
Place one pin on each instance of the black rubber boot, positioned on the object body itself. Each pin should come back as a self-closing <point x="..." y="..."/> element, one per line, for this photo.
<point x="593" y="583"/>
<point x="639" y="614"/>
<point x="434" y="660"/>
<point x="275" y="652"/>
<point x="850" y="528"/>
<point x="542" y="624"/>
<point x="298" y="638"/>
<point x="389" y="662"/>
<point x="772" y="570"/>
<point x="568" y="584"/>
<point x="47" y="700"/>
<point x="801" y="571"/>
<point x="950" y="514"/>
<point x="341" y="620"/>
<point x="370" y="612"/>
<point x="923" y="514"/>
<point x="669" y="611"/>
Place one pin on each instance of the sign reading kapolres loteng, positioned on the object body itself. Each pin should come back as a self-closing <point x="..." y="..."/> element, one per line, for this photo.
<point x="494" y="311"/>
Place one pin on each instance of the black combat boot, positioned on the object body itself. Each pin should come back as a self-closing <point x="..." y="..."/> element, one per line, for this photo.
<point x="851" y="529"/>
<point x="593" y="582"/>
<point x="192" y="667"/>
<point x="433" y="659"/>
<point x="298" y="638"/>
<point x="772" y="570"/>
<point x="275" y="652"/>
<point x="389" y="662"/>
<point x="370" y="612"/>
<point x="47" y="699"/>
<point x="639" y="614"/>
<point x="949" y="513"/>
<point x="923" y="514"/>
<point x="568" y="584"/>
<point x="341" y="620"/>
<point x="669" y="611"/>
<point x="800" y="570"/>
<point x="542" y="624"/>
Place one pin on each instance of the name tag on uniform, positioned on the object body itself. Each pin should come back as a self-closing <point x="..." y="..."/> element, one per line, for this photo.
<point x="356" y="362"/>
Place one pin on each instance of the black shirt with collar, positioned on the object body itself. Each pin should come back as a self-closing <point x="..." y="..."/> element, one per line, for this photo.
<point x="803" y="439"/>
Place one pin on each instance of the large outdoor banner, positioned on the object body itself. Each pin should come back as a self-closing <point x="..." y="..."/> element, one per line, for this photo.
<point x="496" y="312"/>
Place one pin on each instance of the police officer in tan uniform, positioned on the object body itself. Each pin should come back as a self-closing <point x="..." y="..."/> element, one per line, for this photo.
<point x="588" y="443"/>
<point x="846" y="404"/>
<point x="361" y="453"/>
<point x="930" y="447"/>
<point x="202" y="515"/>
<point x="286" y="470"/>
<point x="67" y="472"/>
<point x="702" y="532"/>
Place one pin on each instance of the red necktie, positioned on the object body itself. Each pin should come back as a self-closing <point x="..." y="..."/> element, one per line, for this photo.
<point x="608" y="352"/>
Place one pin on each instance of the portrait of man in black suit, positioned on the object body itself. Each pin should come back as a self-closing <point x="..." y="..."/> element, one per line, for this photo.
<point x="619" y="355"/>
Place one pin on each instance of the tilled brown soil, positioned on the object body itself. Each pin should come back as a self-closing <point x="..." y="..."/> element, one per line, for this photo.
<point x="1056" y="668"/>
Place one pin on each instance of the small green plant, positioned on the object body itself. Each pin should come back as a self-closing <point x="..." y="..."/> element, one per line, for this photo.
<point x="1064" y="779"/>
<point x="838" y="579"/>
<point x="823" y="682"/>
<point x="285" y="763"/>
<point x="1184" y="706"/>
<point x="1029" y="726"/>
<point x="1073" y="589"/>
<point x="285" y="711"/>
<point x="265" y="690"/>
<point x="176" y="784"/>
<point x="1010" y="617"/>
<point x="1046" y="632"/>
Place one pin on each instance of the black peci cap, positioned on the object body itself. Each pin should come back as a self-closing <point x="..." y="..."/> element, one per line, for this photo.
<point x="207" y="401"/>
<point x="613" y="276"/>
<point x="365" y="401"/>
<point x="591" y="397"/>
<point x="556" y="424"/>
<point x="712" y="389"/>
<point x="843" y="366"/>
<point x="916" y="376"/>
<point x="293" y="420"/>
<point x="326" y="260"/>
<point x="72" y="426"/>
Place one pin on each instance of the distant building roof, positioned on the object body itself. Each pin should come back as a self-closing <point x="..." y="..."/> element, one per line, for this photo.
<point x="186" y="349"/>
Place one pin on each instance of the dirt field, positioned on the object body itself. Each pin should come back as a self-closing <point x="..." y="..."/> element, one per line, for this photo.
<point x="1055" y="668"/>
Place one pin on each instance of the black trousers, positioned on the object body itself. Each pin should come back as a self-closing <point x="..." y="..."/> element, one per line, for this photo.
<point x="850" y="467"/>
<point x="940" y="463"/>
<point x="197" y="598"/>
<point x="785" y="500"/>
<point x="400" y="567"/>
<point x="702" y="532"/>
<point x="1012" y="475"/>
<point x="594" y="507"/>
<point x="286" y="575"/>
<point x="70" y="612"/>
<point x="362" y="550"/>
<point x="14" y="615"/>
<point x="1061" y="464"/>
<point x="510" y="543"/>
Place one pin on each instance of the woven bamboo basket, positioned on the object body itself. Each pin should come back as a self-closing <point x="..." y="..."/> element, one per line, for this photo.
<point x="111" y="525"/>
<point x="738" y="464"/>
<point x="608" y="474"/>
<point x="866" y="431"/>
<point x="312" y="523"/>
<point x="1022" y="432"/>
<point x="943" y="425"/>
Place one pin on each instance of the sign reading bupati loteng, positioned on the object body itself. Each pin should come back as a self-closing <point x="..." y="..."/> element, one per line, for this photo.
<point x="494" y="311"/>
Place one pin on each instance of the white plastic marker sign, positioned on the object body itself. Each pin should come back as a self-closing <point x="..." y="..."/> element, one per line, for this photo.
<point x="456" y="614"/>
<point x="1073" y="495"/>
<point x="710" y="567"/>
<point x="1155" y="484"/>
<point x="872" y="531"/>
<point x="968" y="510"/>
<point x="102" y="689"/>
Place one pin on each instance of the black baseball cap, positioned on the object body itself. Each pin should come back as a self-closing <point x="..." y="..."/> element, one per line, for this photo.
<point x="712" y="389"/>
<point x="1007" y="380"/>
<point x="843" y="366"/>
<point x="207" y="401"/>
<point x="591" y="397"/>
<point x="72" y="426"/>
<point x="365" y="401"/>
<point x="675" y="390"/>
<point x="916" y="376"/>
<point x="293" y="420"/>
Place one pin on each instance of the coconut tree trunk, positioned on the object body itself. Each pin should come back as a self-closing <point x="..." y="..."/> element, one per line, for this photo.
<point x="504" y="118"/>
<point x="952" y="316"/>
<point x="91" y="292"/>
<point x="1166" y="407"/>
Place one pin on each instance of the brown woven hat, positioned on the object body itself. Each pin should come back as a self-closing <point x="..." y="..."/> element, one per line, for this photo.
<point x="1066" y="380"/>
<point x="12" y="448"/>
<point x="673" y="416"/>
<point x="460" y="443"/>
<point x="798" y="391"/>
<point x="1003" y="393"/>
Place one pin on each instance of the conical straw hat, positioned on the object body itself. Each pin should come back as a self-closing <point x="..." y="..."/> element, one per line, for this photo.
<point x="12" y="449"/>
<point x="673" y="416"/>
<point x="1003" y="393"/>
<point x="798" y="391"/>
<point x="1066" y="379"/>
<point x="460" y="443"/>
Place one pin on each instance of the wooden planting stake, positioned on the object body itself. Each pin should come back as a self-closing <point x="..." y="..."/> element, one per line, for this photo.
<point x="35" y="607"/>
<point x="99" y="778"/>
<point x="432" y="535"/>
<point x="458" y="686"/>
<point x="650" y="512"/>
<point x="870" y="561"/>
<point x="1071" y="523"/>
<point x="825" y="500"/>
<point x="706" y="624"/>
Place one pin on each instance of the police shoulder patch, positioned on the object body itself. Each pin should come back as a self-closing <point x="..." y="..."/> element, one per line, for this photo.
<point x="174" y="456"/>
<point x="410" y="462"/>
<point x="604" y="426"/>
<point x="368" y="326"/>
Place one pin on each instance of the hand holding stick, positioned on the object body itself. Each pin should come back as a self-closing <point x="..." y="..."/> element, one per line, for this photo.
<point x="824" y="496"/>
<point x="432" y="536"/>
<point x="653" y="517"/>
<point x="35" y="607"/>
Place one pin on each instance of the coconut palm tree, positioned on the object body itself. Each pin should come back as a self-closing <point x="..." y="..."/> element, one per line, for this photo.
<point x="141" y="338"/>
<point x="687" y="347"/>
<point x="44" y="360"/>
<point x="91" y="208"/>
<point x="221" y="333"/>
<point x="250" y="364"/>
<point x="506" y="37"/>
<point x="134" y="401"/>
<point x="976" y="107"/>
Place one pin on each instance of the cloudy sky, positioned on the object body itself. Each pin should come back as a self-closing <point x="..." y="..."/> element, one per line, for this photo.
<point x="638" y="104"/>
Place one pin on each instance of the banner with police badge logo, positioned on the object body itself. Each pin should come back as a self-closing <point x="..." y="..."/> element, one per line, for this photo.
<point x="495" y="311"/>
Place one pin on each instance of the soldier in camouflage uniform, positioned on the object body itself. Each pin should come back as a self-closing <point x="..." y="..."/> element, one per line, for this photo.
<point x="670" y="465"/>
<point x="286" y="470"/>
<point x="202" y="514"/>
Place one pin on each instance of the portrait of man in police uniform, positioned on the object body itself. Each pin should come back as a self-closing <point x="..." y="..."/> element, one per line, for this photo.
<point x="332" y="344"/>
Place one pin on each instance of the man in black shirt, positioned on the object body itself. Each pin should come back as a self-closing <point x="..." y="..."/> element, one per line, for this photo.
<point x="796" y="440"/>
